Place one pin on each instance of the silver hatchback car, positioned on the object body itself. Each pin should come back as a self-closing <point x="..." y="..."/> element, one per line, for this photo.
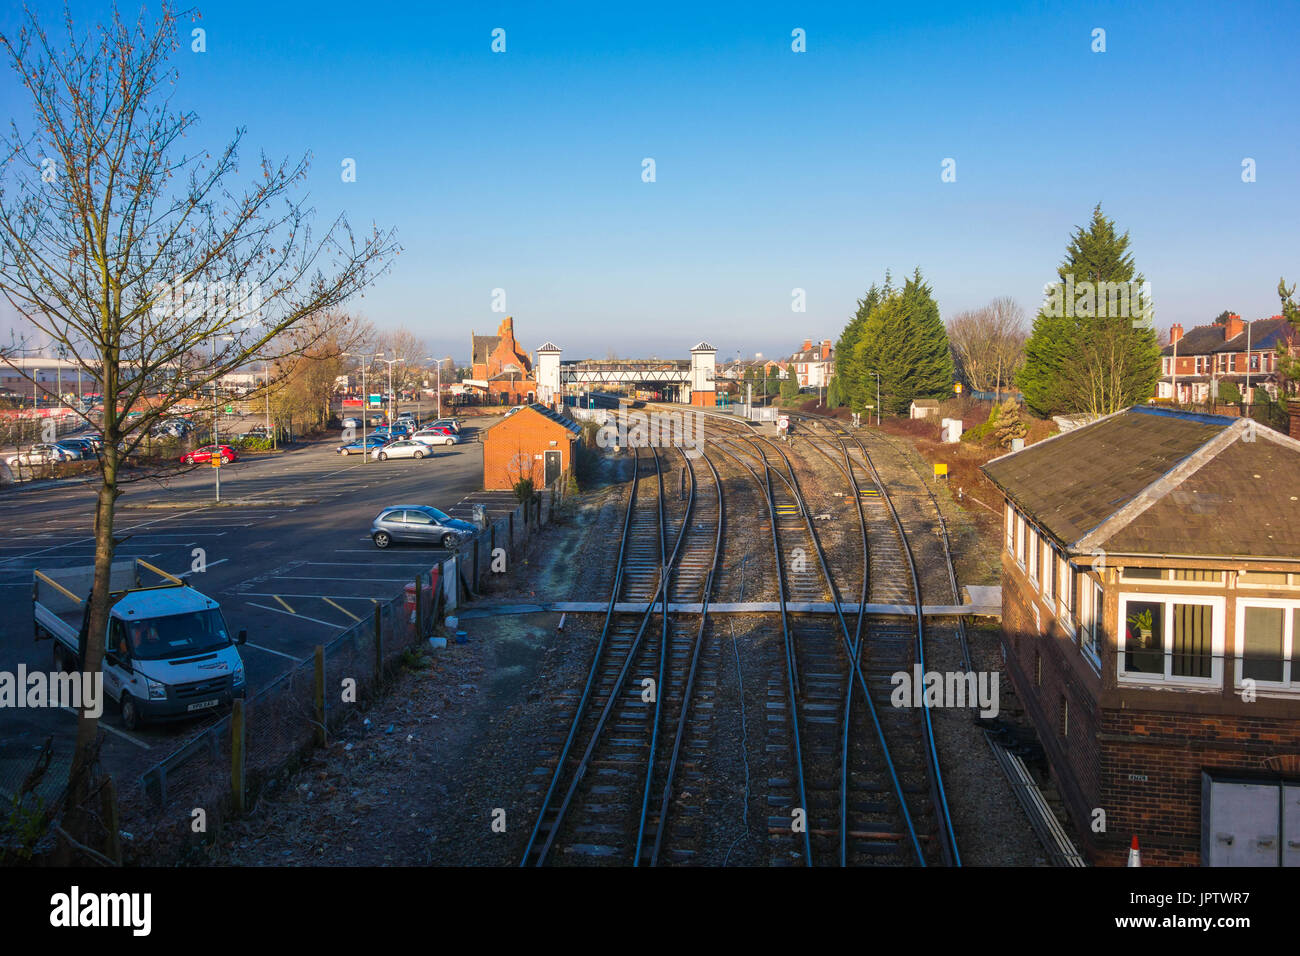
<point x="418" y="524"/>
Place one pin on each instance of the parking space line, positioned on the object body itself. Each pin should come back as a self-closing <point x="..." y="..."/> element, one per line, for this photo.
<point x="284" y="604"/>
<point x="114" y="730"/>
<point x="210" y="564"/>
<point x="304" y="617"/>
<point x="339" y="607"/>
<point x="272" y="651"/>
<point x="340" y="597"/>
<point x="316" y="577"/>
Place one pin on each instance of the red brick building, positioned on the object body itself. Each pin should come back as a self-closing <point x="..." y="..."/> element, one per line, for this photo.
<point x="534" y="442"/>
<point x="500" y="368"/>
<point x="1243" y="353"/>
<point x="1151" y="625"/>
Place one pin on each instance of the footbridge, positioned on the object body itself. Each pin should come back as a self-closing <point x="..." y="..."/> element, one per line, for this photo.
<point x="692" y="380"/>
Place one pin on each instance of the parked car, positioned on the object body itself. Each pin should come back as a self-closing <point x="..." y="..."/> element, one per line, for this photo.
<point x="359" y="448"/>
<point x="399" y="430"/>
<point x="418" y="524"/>
<point x="77" y="448"/>
<point x="406" y="417"/>
<point x="202" y="456"/>
<point x="404" y="448"/>
<point x="89" y="445"/>
<point x="450" y="423"/>
<point x="435" y="436"/>
<point x="257" y="431"/>
<point x="42" y="453"/>
<point x="351" y="423"/>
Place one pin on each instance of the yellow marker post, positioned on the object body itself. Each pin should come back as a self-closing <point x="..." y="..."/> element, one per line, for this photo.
<point x="216" y="463"/>
<point x="940" y="471"/>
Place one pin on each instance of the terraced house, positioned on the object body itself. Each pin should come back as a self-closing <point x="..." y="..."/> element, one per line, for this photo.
<point x="1150" y="608"/>
<point x="1243" y="353"/>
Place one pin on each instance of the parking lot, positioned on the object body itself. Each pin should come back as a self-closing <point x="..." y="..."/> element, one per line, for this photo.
<point x="288" y="556"/>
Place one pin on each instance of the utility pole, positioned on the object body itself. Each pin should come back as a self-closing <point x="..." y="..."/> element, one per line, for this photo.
<point x="1247" y="395"/>
<point x="877" y="374"/>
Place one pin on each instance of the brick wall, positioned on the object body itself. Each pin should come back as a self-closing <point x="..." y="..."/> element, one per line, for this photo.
<point x="1171" y="750"/>
<point x="1044" y="667"/>
<point x="511" y="447"/>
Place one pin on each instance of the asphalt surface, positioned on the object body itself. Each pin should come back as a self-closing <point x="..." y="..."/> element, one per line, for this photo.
<point x="294" y="570"/>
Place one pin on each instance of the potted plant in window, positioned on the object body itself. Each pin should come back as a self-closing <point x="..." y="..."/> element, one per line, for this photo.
<point x="1141" y="622"/>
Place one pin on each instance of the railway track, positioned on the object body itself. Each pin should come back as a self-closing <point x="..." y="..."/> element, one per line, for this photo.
<point x="850" y="779"/>
<point x="610" y="797"/>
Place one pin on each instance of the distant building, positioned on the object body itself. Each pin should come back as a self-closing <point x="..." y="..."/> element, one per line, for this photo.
<point x="813" y="365"/>
<point x="1151" y="627"/>
<point x="923" y="408"/>
<point x="501" y="370"/>
<point x="1193" y="363"/>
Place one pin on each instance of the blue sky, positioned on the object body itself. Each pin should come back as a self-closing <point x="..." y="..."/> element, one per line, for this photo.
<point x="775" y="170"/>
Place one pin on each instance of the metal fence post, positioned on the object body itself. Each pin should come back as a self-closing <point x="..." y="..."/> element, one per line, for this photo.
<point x="511" y="530"/>
<point x="419" y="607"/>
<point x="379" y="645"/>
<point x="319" y="695"/>
<point x="237" y="754"/>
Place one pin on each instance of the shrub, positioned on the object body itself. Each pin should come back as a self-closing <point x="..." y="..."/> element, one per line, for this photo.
<point x="523" y="489"/>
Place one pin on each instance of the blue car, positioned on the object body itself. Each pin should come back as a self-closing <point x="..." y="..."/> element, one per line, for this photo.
<point x="360" y="447"/>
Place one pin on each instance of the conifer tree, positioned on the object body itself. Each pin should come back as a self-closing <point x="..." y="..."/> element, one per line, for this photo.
<point x="1093" y="347"/>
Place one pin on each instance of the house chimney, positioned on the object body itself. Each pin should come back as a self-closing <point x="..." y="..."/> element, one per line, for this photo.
<point x="1234" y="326"/>
<point x="807" y="344"/>
<point x="1175" y="332"/>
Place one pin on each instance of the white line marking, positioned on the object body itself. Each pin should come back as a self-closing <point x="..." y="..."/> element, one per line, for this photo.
<point x="211" y="564"/>
<point x="114" y="730"/>
<point x="270" y="651"/>
<point x="340" y="597"/>
<point x="316" y="577"/>
<point x="302" y="617"/>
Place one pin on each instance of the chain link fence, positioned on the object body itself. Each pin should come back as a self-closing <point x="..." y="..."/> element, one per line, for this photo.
<point x="283" y="720"/>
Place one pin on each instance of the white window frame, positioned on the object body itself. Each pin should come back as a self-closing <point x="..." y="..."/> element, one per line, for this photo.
<point x="1066" y="594"/>
<point x="1020" y="540"/>
<point x="1091" y="629"/>
<point x="1011" y="530"/>
<point x="1032" y="556"/>
<point x="1048" y="573"/>
<point x="1167" y="579"/>
<point x="1292" y="581"/>
<point x="1219" y="609"/>
<point x="1290" y="673"/>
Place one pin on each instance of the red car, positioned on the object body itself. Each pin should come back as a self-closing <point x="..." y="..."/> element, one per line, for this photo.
<point x="202" y="456"/>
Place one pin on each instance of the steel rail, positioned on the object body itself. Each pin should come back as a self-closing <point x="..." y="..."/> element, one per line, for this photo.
<point x="791" y="667"/>
<point x="620" y="567"/>
<point x="939" y="797"/>
<point x="854" y="663"/>
<point x="695" y="658"/>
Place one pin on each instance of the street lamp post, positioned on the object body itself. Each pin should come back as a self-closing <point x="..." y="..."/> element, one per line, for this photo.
<point x="224" y="338"/>
<point x="365" y="399"/>
<point x="877" y="374"/>
<point x="390" y="363"/>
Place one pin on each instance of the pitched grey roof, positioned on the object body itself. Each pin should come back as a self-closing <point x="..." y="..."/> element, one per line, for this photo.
<point x="1162" y="482"/>
<point x="1210" y="339"/>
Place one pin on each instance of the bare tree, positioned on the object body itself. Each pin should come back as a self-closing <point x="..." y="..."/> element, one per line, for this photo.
<point x="989" y="343"/>
<point x="134" y="252"/>
<point x="402" y="343"/>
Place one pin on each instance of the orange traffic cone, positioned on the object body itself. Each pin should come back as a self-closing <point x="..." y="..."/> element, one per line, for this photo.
<point x="1134" y="854"/>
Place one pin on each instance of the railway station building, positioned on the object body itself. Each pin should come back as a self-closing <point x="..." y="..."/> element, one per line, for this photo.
<point x="534" y="442"/>
<point x="1151" y="626"/>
